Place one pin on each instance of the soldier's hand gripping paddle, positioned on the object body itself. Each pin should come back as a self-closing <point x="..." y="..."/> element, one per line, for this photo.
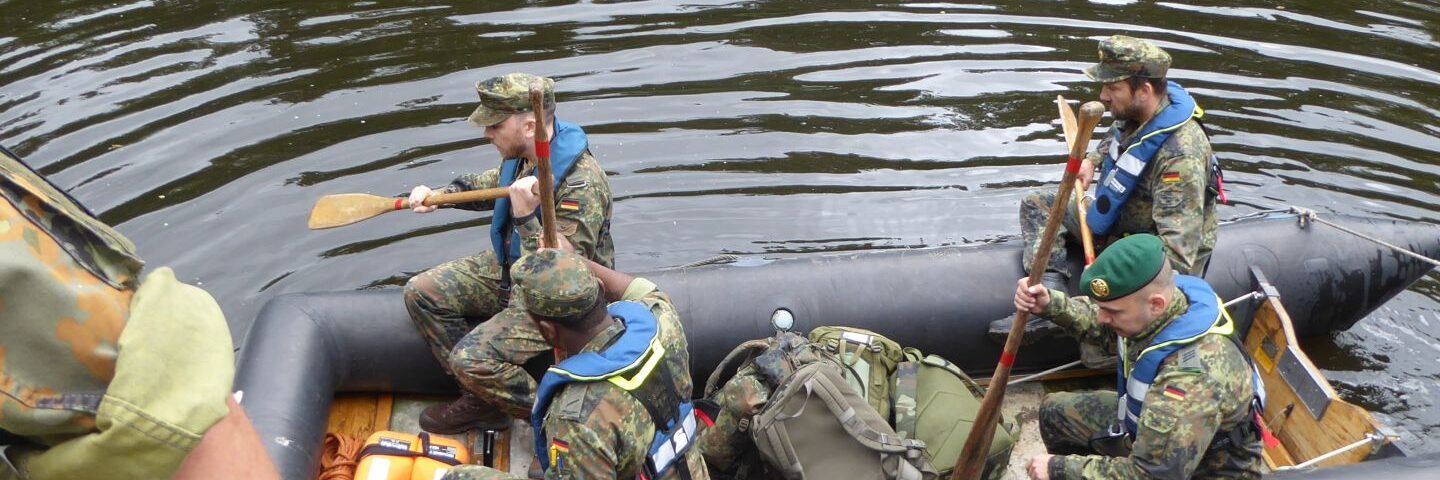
<point x="971" y="464"/>
<point x="542" y="165"/>
<point x="1068" y="124"/>
<point x="342" y="209"/>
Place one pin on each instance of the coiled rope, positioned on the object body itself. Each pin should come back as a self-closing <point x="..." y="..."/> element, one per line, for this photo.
<point x="337" y="461"/>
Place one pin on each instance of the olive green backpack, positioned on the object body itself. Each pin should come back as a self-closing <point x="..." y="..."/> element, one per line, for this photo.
<point x="809" y="421"/>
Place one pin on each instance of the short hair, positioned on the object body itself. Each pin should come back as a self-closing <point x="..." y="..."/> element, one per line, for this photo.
<point x="581" y="322"/>
<point x="1164" y="280"/>
<point x="1158" y="84"/>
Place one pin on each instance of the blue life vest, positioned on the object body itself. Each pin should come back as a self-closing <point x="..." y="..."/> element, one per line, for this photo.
<point x="565" y="150"/>
<point x="1120" y="173"/>
<point x="1205" y="317"/>
<point x="626" y="363"/>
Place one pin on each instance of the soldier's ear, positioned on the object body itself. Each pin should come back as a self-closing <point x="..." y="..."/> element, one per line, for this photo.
<point x="548" y="330"/>
<point x="1157" y="303"/>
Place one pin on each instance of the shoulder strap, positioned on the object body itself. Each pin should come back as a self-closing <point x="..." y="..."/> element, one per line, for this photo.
<point x="907" y="379"/>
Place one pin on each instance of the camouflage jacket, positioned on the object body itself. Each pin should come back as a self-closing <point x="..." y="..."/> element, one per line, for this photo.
<point x="82" y="340"/>
<point x="1177" y="435"/>
<point x="1171" y="200"/>
<point x="598" y="431"/>
<point x="582" y="208"/>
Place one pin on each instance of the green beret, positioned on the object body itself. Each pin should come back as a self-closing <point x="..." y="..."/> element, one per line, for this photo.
<point x="555" y="284"/>
<point x="1124" y="267"/>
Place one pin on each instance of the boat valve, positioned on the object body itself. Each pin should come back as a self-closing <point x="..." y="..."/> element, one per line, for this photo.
<point x="782" y="320"/>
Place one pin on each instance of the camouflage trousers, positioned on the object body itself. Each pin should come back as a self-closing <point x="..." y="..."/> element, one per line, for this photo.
<point x="1068" y="420"/>
<point x="484" y="340"/>
<point x="1034" y="211"/>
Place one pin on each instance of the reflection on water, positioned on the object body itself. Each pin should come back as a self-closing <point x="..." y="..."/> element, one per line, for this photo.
<point x="745" y="127"/>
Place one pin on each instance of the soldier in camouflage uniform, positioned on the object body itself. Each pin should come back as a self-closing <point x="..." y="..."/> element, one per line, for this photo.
<point x="463" y="307"/>
<point x="1196" y="417"/>
<point x="597" y="429"/>
<point x="103" y="375"/>
<point x="1175" y="195"/>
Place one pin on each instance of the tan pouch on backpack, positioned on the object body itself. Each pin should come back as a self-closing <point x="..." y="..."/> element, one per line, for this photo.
<point x="817" y="427"/>
<point x="869" y="358"/>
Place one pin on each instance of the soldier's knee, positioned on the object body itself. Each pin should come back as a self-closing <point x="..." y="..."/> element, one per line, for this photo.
<point x="469" y="363"/>
<point x="1051" y="411"/>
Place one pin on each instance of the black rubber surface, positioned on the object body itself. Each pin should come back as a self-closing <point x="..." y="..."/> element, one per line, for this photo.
<point x="304" y="347"/>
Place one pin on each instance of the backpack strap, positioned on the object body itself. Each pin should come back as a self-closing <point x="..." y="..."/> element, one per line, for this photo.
<point x="907" y="379"/>
<point x="745" y="351"/>
<point x="829" y="393"/>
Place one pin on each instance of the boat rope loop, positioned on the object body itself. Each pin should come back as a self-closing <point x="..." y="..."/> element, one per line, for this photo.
<point x="338" y="460"/>
<point x="715" y="260"/>
<point x="1371" y="439"/>
<point x="1307" y="215"/>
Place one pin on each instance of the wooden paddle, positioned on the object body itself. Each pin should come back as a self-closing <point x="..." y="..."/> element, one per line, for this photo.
<point x="1067" y="123"/>
<point x="346" y="208"/>
<point x="542" y="165"/>
<point x="971" y="464"/>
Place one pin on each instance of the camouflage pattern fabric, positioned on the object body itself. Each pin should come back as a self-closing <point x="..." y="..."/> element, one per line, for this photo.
<point x="555" y="284"/>
<point x="506" y="95"/>
<point x="1122" y="57"/>
<point x="81" y="341"/>
<point x="61" y="311"/>
<point x="727" y="443"/>
<point x="1201" y="390"/>
<point x="1170" y="202"/>
<point x="448" y="303"/>
<point x="605" y="431"/>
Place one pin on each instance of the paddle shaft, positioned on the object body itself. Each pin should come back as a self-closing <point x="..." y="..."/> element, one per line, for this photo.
<point x="542" y="165"/>
<point x="971" y="463"/>
<point x="1086" y="238"/>
<point x="1068" y="125"/>
<point x="459" y="197"/>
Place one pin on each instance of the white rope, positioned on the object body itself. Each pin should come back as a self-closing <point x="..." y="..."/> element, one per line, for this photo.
<point x="1044" y="373"/>
<point x="1307" y="214"/>
<point x="1369" y="438"/>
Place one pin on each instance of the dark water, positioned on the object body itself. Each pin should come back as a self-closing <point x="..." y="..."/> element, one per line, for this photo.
<point x="205" y="131"/>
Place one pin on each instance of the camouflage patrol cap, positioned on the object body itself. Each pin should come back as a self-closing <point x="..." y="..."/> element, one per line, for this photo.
<point x="1124" y="267"/>
<point x="506" y="95"/>
<point x="1122" y="57"/>
<point x="555" y="284"/>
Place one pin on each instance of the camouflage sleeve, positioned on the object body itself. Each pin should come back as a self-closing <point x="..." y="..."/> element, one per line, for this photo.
<point x="1180" y="419"/>
<point x="581" y="449"/>
<point x="582" y="214"/>
<point x="1077" y="316"/>
<point x="1178" y="186"/>
<point x="724" y="443"/>
<point x="475" y="181"/>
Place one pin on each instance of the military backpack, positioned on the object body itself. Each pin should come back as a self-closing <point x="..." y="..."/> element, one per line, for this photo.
<point x="810" y="408"/>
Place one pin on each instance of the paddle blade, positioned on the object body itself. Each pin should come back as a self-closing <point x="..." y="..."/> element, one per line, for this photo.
<point x="346" y="208"/>
<point x="1068" y="123"/>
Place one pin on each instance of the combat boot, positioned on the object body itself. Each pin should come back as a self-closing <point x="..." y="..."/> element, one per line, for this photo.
<point x="1038" y="328"/>
<point x="465" y="413"/>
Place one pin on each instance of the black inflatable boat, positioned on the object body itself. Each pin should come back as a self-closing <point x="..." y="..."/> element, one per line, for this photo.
<point x="302" y="348"/>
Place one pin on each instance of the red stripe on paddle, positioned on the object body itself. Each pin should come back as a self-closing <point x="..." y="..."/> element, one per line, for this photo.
<point x="1007" y="359"/>
<point x="1072" y="166"/>
<point x="399" y="204"/>
<point x="542" y="149"/>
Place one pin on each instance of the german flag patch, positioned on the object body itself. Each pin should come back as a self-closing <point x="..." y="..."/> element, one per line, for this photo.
<point x="569" y="205"/>
<point x="559" y="455"/>
<point x="1174" y="393"/>
<point x="1172" y="177"/>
